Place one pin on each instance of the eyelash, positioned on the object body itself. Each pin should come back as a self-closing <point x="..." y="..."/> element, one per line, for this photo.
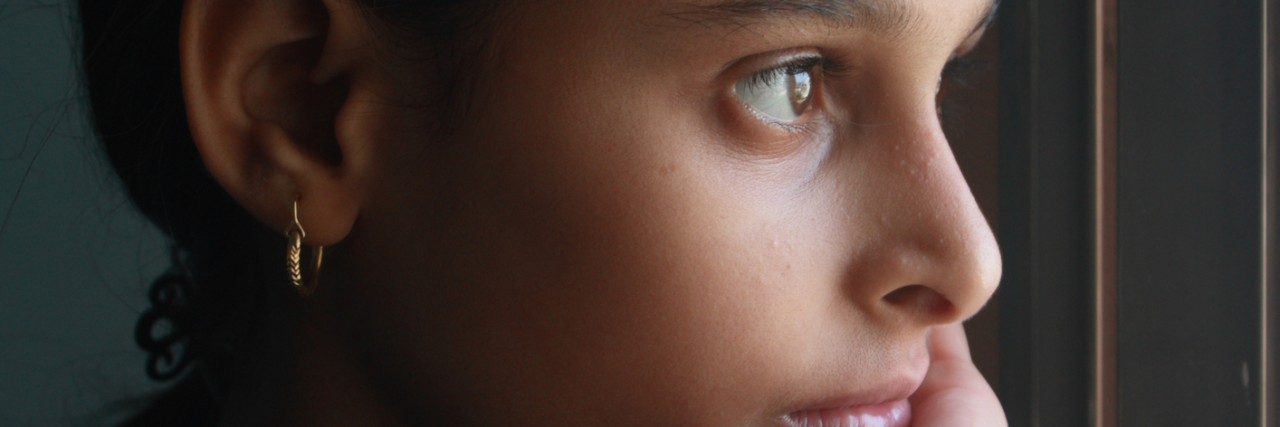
<point x="819" y="68"/>
<point x="960" y="69"/>
<point x="958" y="72"/>
<point x="815" y="65"/>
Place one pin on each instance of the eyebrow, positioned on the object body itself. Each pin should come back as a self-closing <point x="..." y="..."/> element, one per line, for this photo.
<point x="876" y="15"/>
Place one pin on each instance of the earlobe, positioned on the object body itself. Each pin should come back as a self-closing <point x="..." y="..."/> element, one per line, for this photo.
<point x="265" y="89"/>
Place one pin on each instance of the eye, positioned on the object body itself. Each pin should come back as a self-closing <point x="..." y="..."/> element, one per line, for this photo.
<point x="781" y="94"/>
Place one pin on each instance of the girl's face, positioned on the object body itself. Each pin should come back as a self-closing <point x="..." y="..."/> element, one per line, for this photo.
<point x="673" y="212"/>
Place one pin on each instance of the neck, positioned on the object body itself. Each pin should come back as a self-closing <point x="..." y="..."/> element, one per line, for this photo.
<point x="303" y="377"/>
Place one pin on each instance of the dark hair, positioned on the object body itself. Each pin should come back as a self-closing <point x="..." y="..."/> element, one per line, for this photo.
<point x="222" y="275"/>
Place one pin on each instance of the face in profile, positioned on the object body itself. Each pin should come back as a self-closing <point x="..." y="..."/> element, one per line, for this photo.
<point x="664" y="212"/>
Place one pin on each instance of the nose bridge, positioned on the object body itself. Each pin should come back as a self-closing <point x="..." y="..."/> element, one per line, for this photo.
<point x="937" y="257"/>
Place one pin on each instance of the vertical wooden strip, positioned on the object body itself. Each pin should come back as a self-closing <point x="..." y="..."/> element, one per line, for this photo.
<point x="1104" y="80"/>
<point x="1268" y="250"/>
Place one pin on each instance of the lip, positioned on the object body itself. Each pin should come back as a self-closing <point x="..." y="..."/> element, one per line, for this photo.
<point x="896" y="413"/>
<point x="882" y="406"/>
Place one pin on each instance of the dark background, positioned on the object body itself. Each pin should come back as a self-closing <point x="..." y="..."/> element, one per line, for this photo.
<point x="74" y="258"/>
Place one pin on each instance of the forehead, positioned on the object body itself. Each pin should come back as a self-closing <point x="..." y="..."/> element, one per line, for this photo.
<point x="886" y="17"/>
<point x="705" y="36"/>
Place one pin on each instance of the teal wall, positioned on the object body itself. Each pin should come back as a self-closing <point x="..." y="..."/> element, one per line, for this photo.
<point x="75" y="259"/>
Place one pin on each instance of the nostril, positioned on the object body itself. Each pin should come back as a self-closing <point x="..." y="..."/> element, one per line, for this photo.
<point x="920" y="299"/>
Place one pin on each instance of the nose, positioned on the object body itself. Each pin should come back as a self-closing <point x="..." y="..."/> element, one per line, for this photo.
<point x="929" y="257"/>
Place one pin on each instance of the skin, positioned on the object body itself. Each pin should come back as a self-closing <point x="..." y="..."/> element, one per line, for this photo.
<point x="609" y="236"/>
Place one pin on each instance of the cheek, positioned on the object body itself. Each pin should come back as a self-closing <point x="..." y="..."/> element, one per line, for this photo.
<point x="677" y="291"/>
<point x="570" y="254"/>
<point x="657" y="274"/>
<point x="582" y="255"/>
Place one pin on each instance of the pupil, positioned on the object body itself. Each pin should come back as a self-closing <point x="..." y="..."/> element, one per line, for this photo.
<point x="801" y="88"/>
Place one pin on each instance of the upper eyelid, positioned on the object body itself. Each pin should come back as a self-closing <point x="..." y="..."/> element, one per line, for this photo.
<point x="808" y="63"/>
<point x="763" y="61"/>
<point x="830" y="63"/>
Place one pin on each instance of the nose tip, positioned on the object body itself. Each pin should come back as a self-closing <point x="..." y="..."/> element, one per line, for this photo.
<point x="942" y="283"/>
<point x="954" y="285"/>
<point x="937" y="258"/>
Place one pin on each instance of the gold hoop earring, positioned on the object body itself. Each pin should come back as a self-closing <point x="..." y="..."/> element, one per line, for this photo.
<point x="296" y="233"/>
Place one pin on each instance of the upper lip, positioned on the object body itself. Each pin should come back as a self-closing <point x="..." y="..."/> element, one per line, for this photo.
<point x="906" y="380"/>
<point x="897" y="389"/>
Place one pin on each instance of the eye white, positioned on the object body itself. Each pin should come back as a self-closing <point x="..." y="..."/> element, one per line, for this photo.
<point x="780" y="95"/>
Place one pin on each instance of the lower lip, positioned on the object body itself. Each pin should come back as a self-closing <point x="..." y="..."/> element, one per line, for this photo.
<point x="888" y="414"/>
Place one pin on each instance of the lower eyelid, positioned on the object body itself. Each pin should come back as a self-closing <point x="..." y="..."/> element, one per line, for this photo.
<point x="761" y="138"/>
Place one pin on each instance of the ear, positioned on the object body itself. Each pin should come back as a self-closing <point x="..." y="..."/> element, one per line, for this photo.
<point x="268" y="88"/>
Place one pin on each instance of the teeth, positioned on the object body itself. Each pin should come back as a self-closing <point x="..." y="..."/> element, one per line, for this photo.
<point x="898" y="414"/>
<point x="867" y="421"/>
